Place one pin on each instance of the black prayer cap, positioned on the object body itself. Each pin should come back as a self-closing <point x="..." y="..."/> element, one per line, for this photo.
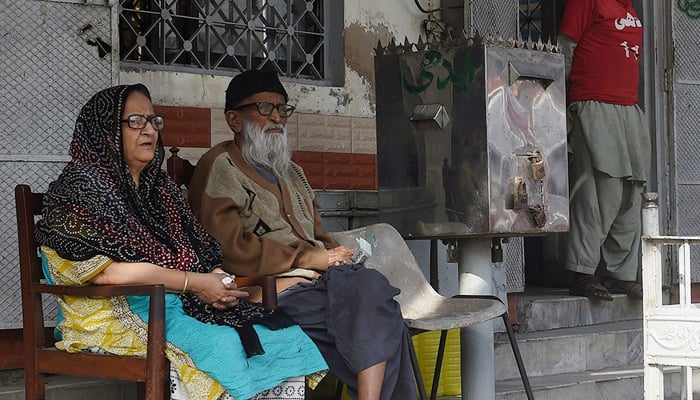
<point x="250" y="82"/>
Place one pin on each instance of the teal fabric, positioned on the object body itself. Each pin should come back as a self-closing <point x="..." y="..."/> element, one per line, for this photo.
<point x="217" y="350"/>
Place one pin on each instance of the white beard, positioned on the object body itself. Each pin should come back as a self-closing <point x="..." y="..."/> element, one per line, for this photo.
<point x="267" y="149"/>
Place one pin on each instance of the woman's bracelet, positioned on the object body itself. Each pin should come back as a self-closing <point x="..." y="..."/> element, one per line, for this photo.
<point x="187" y="280"/>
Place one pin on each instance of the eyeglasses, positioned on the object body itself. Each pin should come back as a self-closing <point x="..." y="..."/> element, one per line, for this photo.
<point x="138" y="121"/>
<point x="265" y="108"/>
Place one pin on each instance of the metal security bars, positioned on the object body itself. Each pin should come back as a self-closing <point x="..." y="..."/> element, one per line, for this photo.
<point x="539" y="19"/>
<point x="223" y="36"/>
<point x="530" y="20"/>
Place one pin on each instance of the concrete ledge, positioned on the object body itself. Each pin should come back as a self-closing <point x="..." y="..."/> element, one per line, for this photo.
<point x="71" y="388"/>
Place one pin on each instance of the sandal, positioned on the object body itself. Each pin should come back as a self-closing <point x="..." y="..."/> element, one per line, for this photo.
<point x="590" y="287"/>
<point x="631" y="288"/>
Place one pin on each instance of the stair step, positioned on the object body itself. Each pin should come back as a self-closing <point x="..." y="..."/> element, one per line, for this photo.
<point x="541" y="309"/>
<point x="70" y="388"/>
<point x="621" y="383"/>
<point x="557" y="351"/>
<point x="571" y="350"/>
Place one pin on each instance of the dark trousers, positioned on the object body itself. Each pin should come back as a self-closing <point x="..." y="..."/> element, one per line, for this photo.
<point x="351" y="315"/>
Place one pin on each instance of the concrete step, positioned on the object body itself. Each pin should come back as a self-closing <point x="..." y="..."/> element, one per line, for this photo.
<point x="571" y="350"/>
<point x="541" y="309"/>
<point x="621" y="383"/>
<point x="67" y="388"/>
<point x="545" y="353"/>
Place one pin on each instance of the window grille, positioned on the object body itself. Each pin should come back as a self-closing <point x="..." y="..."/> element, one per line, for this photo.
<point x="530" y="20"/>
<point x="293" y="37"/>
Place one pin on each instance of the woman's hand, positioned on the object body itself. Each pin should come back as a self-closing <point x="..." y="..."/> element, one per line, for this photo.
<point x="215" y="293"/>
<point x="206" y="286"/>
<point x="339" y="255"/>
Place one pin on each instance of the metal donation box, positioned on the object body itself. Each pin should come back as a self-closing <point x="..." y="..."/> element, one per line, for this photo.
<point x="471" y="139"/>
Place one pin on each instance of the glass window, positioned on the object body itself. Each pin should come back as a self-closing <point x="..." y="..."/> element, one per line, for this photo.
<point x="297" y="38"/>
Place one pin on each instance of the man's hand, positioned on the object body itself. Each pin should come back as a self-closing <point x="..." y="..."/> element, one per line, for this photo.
<point x="339" y="255"/>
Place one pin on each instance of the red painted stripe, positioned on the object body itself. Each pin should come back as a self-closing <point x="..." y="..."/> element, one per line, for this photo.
<point x="340" y="171"/>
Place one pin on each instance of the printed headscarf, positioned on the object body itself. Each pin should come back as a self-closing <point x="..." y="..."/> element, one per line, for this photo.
<point x="94" y="208"/>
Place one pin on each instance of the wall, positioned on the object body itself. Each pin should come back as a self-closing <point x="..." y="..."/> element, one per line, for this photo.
<point x="337" y="122"/>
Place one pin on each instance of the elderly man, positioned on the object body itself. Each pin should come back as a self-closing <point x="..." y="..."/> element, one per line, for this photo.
<point x="257" y="202"/>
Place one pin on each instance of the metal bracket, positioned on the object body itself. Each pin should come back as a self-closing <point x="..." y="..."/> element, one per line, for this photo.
<point x="452" y="250"/>
<point x="431" y="112"/>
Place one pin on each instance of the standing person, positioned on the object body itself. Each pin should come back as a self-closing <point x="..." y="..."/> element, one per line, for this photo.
<point x="114" y="217"/>
<point x="609" y="145"/>
<point x="251" y="197"/>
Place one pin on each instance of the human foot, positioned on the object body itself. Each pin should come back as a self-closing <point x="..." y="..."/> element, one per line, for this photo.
<point x="631" y="288"/>
<point x="589" y="286"/>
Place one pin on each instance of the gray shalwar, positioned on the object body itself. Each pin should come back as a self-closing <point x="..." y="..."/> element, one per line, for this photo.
<point x="610" y="155"/>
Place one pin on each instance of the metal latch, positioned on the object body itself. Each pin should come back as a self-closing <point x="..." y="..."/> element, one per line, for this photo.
<point x="517" y="194"/>
<point x="536" y="164"/>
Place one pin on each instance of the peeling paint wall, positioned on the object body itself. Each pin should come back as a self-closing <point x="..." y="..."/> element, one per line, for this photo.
<point x="366" y="22"/>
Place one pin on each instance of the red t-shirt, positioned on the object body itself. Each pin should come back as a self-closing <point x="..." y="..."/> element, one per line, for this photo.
<point x="608" y="34"/>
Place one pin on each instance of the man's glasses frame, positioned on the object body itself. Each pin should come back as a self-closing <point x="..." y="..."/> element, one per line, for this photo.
<point x="265" y="108"/>
<point x="139" y="121"/>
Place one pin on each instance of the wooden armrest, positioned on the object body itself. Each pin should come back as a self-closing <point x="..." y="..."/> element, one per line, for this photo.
<point x="268" y="285"/>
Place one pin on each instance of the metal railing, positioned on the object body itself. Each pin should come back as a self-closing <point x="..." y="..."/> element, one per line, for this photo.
<point x="671" y="331"/>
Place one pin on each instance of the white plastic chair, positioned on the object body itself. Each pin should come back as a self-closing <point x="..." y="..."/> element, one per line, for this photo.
<point x="423" y="308"/>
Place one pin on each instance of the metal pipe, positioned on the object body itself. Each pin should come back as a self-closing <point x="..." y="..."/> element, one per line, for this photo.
<point x="476" y="278"/>
<point x="428" y="11"/>
<point x="651" y="281"/>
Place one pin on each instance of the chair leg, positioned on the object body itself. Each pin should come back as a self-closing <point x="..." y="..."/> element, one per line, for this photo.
<point x="34" y="386"/>
<point x="438" y="364"/>
<point x="416" y="370"/>
<point x="513" y="343"/>
<point x="518" y="358"/>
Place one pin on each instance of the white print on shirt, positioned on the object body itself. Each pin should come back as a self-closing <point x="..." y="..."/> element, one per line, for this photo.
<point x="630" y="21"/>
<point x="635" y="50"/>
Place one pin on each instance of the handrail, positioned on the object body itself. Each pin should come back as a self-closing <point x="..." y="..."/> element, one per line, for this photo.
<point x="669" y="329"/>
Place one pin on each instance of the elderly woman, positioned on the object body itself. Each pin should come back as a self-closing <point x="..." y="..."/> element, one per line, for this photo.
<point x="114" y="217"/>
